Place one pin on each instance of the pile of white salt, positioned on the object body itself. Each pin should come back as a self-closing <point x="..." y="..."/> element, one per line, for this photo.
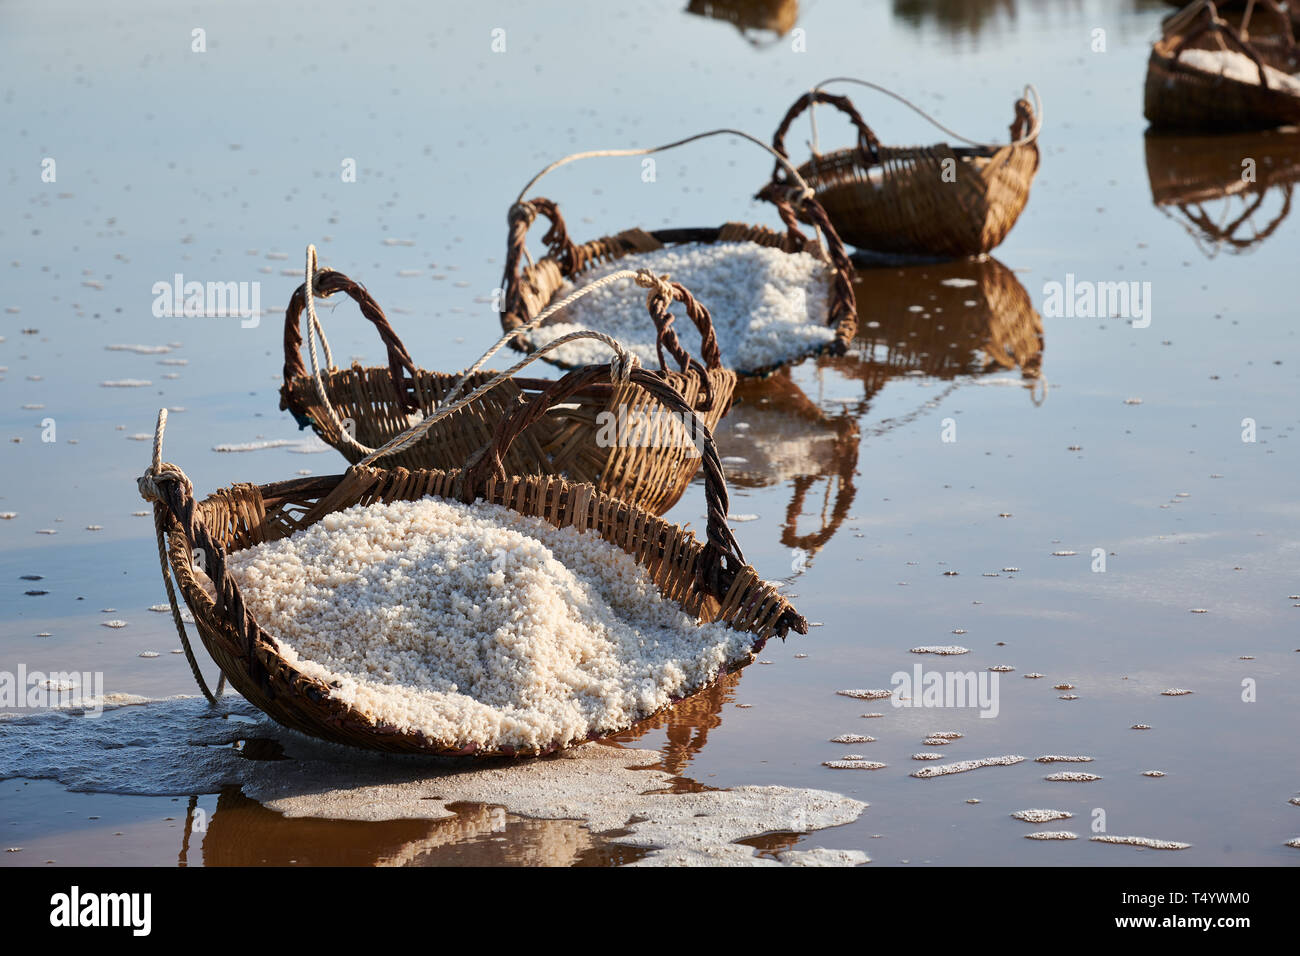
<point x="474" y="624"/>
<point x="768" y="307"/>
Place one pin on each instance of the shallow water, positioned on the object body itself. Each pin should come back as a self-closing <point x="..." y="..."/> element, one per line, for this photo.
<point x="1072" y="434"/>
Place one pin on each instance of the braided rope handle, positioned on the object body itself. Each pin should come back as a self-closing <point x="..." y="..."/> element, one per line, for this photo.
<point x="572" y="259"/>
<point x="721" y="550"/>
<point x="325" y="283"/>
<point x="868" y="143"/>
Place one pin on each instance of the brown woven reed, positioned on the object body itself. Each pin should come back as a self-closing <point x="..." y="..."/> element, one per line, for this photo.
<point x="530" y="288"/>
<point x="709" y="580"/>
<point x="1180" y="96"/>
<point x="896" y="200"/>
<point x="381" y="403"/>
<point x="1189" y="172"/>
<point x="1001" y="331"/>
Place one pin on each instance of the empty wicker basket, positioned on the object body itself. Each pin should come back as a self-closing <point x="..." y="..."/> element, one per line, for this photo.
<point x="1182" y="94"/>
<point x="940" y="200"/>
<point x="708" y="580"/>
<point x="360" y="408"/>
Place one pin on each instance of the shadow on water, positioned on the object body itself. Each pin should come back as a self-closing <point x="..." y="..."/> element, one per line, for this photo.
<point x="1229" y="193"/>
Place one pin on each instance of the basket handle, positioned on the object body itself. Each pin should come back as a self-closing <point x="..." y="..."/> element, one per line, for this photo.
<point x="328" y="282"/>
<point x="722" y="556"/>
<point x="868" y="144"/>
<point x="572" y="259"/>
<point x="843" y="311"/>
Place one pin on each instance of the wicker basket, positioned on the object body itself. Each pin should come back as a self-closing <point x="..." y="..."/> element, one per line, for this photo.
<point x="1189" y="172"/>
<point x="898" y="200"/>
<point x="382" y="403"/>
<point x="530" y="288"/>
<point x="1181" y="96"/>
<point x="709" y="581"/>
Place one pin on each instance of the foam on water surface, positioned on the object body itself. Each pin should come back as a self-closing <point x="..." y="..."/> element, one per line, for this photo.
<point x="180" y="745"/>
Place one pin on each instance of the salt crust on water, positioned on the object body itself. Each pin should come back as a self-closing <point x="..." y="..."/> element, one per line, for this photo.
<point x="1147" y="842"/>
<point x="1041" y="816"/>
<point x="1070" y="776"/>
<point x="965" y="765"/>
<point x="768" y="307"/>
<point x="1052" y="835"/>
<point x="476" y="624"/>
<point x="866" y="694"/>
<point x="180" y="746"/>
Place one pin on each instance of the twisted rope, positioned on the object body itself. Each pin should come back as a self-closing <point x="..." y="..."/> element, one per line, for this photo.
<point x="148" y="486"/>
<point x="1029" y="137"/>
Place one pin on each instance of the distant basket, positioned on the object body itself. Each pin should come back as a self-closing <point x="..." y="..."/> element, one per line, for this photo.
<point x="1181" y="95"/>
<point x="709" y="581"/>
<point x="381" y="403"/>
<point x="940" y="200"/>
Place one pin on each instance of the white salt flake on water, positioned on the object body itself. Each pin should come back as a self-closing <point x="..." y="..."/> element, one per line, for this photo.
<point x="113" y="624"/>
<point x="1052" y="835"/>
<point x="149" y="654"/>
<point x="853" y="765"/>
<point x="945" y="735"/>
<point x="866" y="694"/>
<point x="1041" y="816"/>
<point x="1034" y="675"/>
<point x="1002" y="668"/>
<point x="1175" y="692"/>
<point x="941" y="649"/>
<point x="966" y="765"/>
<point x="1060" y="758"/>
<point x="853" y="739"/>
<point x="768" y="307"/>
<point x="1147" y="842"/>
<point x="929" y="756"/>
<point x="742" y="517"/>
<point x="958" y="283"/>
<point x="1153" y="773"/>
<point x="474" y="624"/>
<point x="1071" y="776"/>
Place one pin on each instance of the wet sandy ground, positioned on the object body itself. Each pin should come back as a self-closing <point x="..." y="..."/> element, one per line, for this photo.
<point x="1072" y="434"/>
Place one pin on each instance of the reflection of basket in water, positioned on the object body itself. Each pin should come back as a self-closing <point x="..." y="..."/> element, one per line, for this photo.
<point x="381" y="403"/>
<point x="710" y="581"/>
<point x="788" y="438"/>
<point x="1188" y="172"/>
<point x="1202" y="75"/>
<point x="967" y="317"/>
<point x="939" y="200"/>
<point x="751" y="17"/>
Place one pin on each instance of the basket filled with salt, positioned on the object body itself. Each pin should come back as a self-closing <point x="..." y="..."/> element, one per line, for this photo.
<point x="940" y="201"/>
<point x="359" y="409"/>
<point x="1203" y="75"/>
<point x="463" y="612"/>
<point x="775" y="297"/>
